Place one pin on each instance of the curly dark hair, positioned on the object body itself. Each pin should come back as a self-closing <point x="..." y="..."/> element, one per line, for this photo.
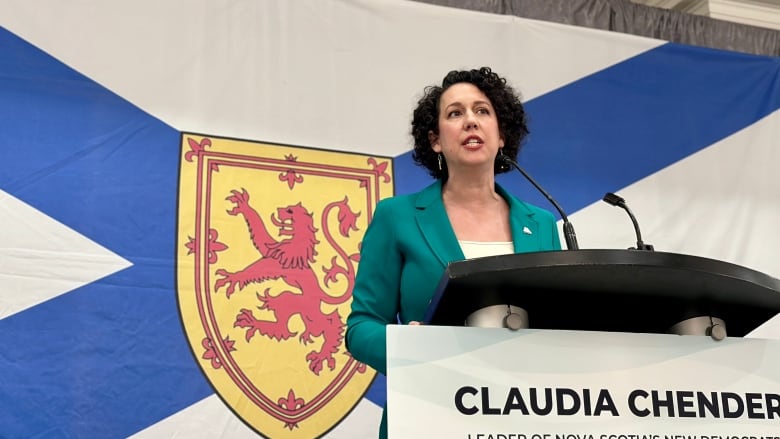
<point x="506" y="102"/>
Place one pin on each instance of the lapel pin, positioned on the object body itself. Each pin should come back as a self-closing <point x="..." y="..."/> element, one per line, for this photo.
<point x="526" y="230"/>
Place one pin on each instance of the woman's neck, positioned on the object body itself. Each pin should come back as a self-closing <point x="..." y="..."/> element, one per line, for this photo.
<point x="476" y="212"/>
<point x="473" y="192"/>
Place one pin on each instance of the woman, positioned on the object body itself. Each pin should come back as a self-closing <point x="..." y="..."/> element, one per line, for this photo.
<point x="460" y="129"/>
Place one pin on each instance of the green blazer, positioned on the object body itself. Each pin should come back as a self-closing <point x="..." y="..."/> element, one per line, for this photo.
<point x="405" y="250"/>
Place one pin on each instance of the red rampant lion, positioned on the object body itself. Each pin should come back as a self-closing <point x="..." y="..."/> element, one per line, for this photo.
<point x="290" y="259"/>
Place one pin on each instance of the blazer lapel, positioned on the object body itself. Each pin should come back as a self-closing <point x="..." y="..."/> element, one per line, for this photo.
<point x="435" y="226"/>
<point x="525" y="229"/>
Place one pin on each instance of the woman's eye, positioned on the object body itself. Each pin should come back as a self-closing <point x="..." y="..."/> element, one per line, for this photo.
<point x="483" y="111"/>
<point x="454" y="113"/>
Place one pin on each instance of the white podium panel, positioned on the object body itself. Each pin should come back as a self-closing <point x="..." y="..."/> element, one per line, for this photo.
<point x="480" y="383"/>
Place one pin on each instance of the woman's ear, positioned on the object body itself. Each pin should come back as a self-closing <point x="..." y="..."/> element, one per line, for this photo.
<point x="433" y="139"/>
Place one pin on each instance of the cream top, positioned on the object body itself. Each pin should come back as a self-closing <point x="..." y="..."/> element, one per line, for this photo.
<point x="474" y="249"/>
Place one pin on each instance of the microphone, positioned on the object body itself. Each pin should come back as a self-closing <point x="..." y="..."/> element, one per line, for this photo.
<point x="568" y="229"/>
<point x="615" y="200"/>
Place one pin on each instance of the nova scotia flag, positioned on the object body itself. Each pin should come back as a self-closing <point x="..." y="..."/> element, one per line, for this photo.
<point x="94" y="97"/>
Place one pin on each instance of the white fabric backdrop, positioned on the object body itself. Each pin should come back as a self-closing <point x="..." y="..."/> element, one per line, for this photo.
<point x="344" y="75"/>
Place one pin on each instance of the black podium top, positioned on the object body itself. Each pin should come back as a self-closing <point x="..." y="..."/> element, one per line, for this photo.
<point x="607" y="290"/>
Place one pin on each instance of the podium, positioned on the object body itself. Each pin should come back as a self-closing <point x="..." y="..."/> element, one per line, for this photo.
<point x="598" y="358"/>
<point x="607" y="290"/>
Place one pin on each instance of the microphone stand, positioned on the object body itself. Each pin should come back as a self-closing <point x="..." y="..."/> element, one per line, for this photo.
<point x="568" y="229"/>
<point x="617" y="200"/>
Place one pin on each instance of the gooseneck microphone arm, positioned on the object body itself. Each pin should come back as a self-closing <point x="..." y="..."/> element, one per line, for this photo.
<point x="568" y="229"/>
<point x="616" y="200"/>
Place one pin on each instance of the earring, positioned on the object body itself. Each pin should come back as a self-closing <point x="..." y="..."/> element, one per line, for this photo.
<point x="502" y="165"/>
<point x="439" y="161"/>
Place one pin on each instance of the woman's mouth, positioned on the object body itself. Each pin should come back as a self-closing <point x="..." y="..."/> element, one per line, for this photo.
<point x="473" y="143"/>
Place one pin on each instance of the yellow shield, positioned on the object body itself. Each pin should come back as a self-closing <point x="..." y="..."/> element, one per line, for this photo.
<point x="268" y="246"/>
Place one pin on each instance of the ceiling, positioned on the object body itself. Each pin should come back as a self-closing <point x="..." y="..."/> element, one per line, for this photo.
<point x="762" y="13"/>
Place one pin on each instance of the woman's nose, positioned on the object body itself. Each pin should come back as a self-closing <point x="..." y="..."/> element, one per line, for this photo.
<point x="470" y="120"/>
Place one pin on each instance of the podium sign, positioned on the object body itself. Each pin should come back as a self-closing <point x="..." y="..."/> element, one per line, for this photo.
<point x="480" y="383"/>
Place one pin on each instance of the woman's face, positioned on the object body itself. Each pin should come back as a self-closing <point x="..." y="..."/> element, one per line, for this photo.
<point x="468" y="129"/>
